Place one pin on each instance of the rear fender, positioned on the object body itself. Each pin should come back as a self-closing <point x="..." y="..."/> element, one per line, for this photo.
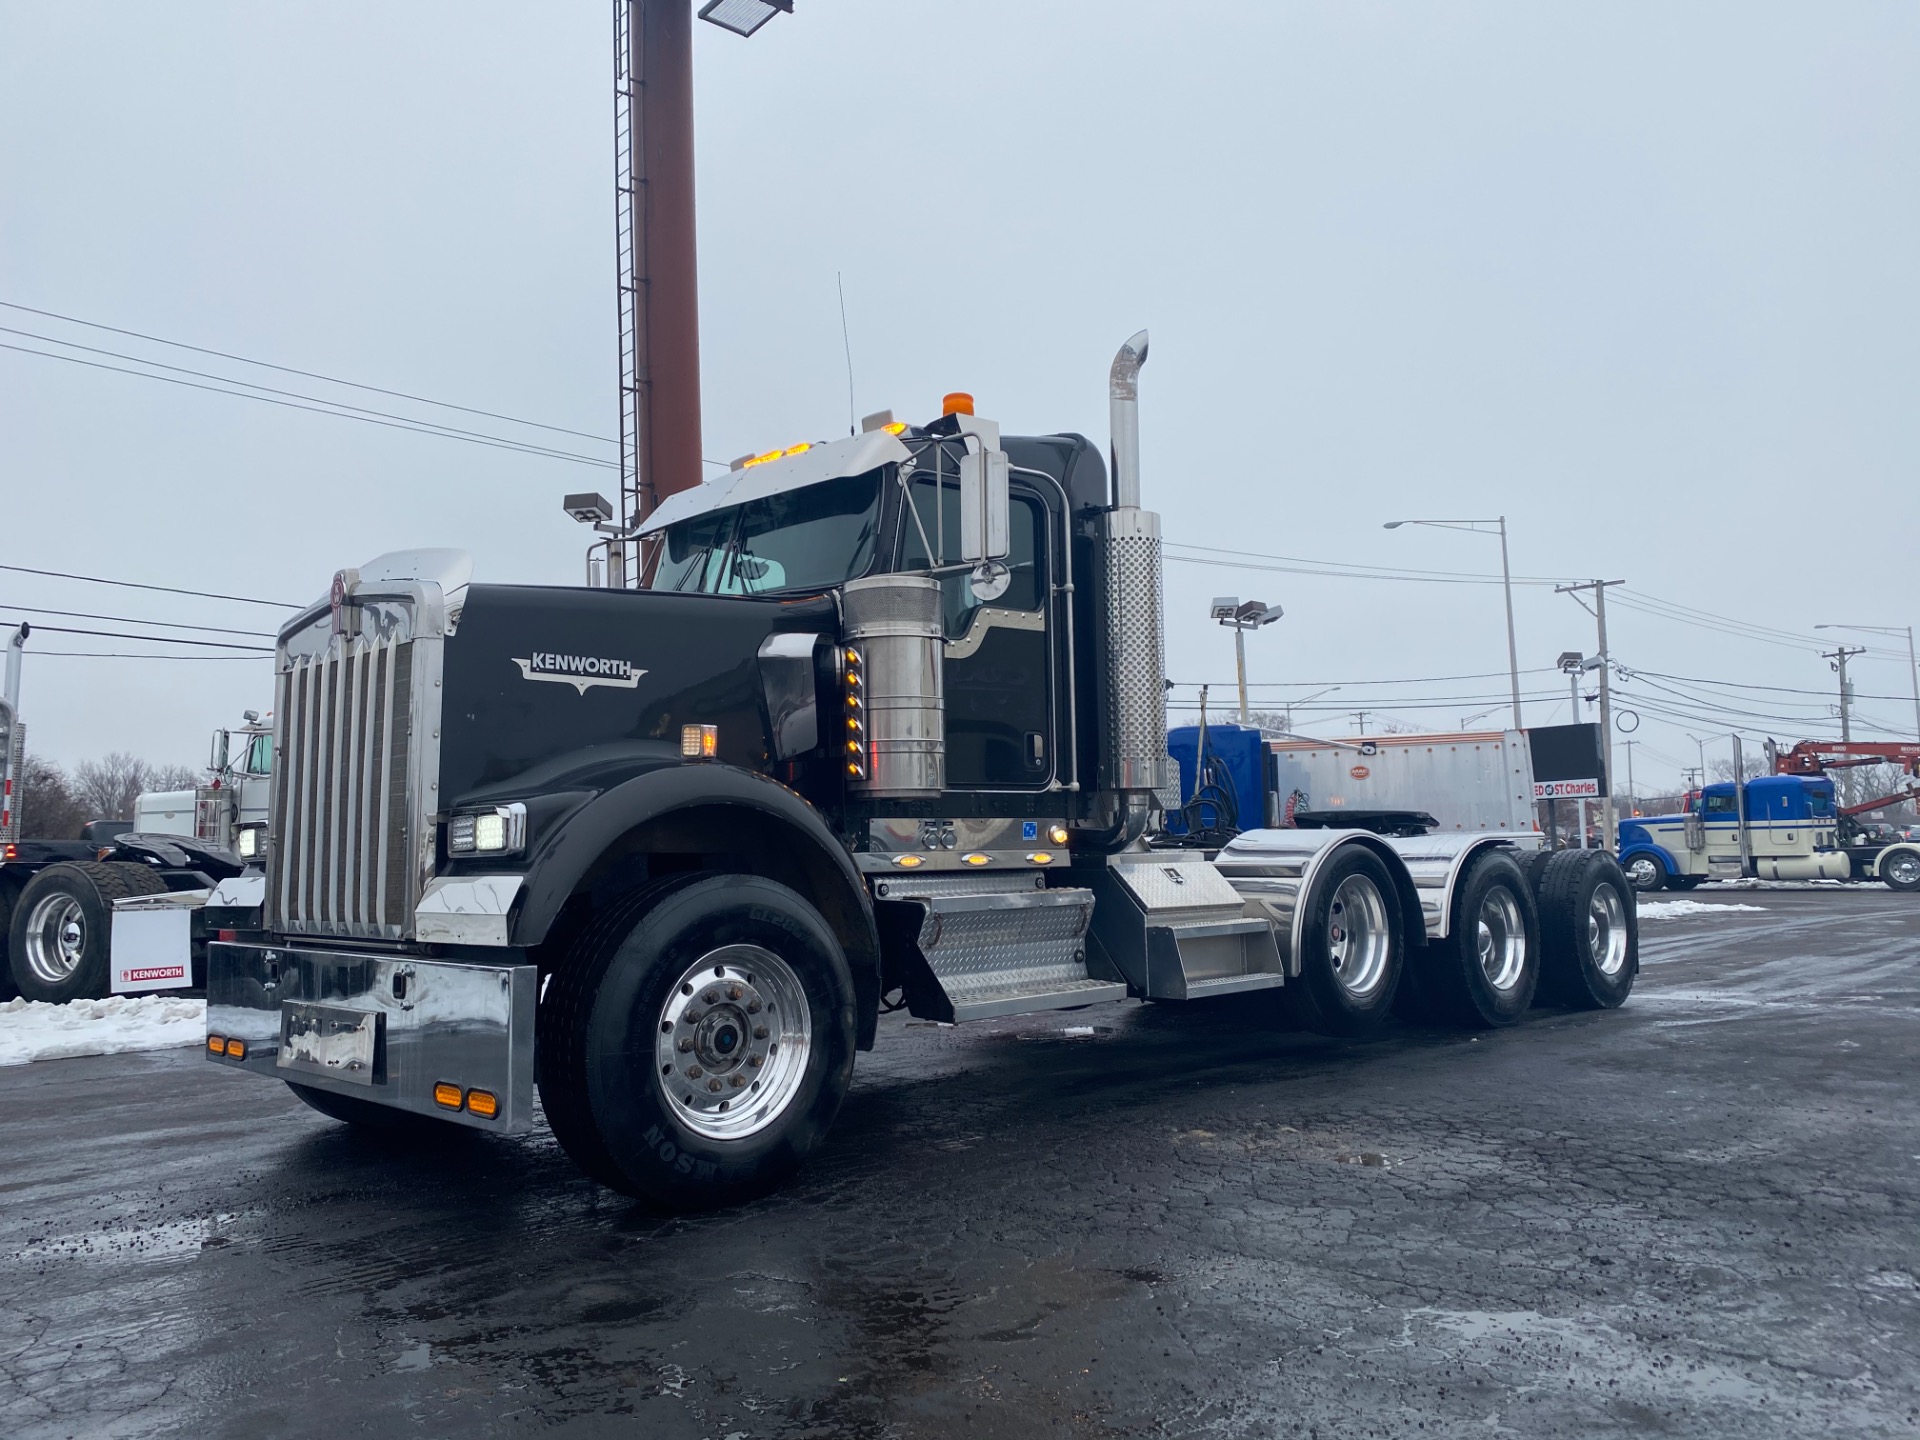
<point x="706" y="816"/>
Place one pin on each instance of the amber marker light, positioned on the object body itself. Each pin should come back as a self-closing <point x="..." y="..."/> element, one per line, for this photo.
<point x="236" y="1049"/>
<point x="699" y="742"/>
<point x="909" y="862"/>
<point x="957" y="403"/>
<point x="1040" y="857"/>
<point x="1058" y="834"/>
<point x="448" y="1096"/>
<point x="976" y="858"/>
<point x="483" y="1103"/>
<point x="898" y="427"/>
<point x="216" y="1045"/>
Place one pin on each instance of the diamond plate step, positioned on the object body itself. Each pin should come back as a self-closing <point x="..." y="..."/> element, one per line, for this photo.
<point x="1005" y="948"/>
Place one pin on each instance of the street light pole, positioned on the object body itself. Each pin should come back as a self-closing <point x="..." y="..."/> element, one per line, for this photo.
<point x="1240" y="618"/>
<point x="1506" y="584"/>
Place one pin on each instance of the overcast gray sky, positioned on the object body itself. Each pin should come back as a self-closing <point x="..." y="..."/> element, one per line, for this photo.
<point x="1640" y="276"/>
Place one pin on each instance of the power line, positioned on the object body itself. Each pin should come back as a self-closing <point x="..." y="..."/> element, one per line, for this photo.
<point x="1355" y="684"/>
<point x="156" y="639"/>
<point x="119" y="655"/>
<point x="346" y="411"/>
<point x="136" y="585"/>
<point x="137" y="620"/>
<point x="305" y="374"/>
<point x="423" y="427"/>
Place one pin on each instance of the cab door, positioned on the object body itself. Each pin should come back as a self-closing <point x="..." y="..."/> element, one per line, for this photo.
<point x="999" y="670"/>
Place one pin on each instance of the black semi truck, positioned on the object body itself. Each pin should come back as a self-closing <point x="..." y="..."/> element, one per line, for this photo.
<point x="883" y="726"/>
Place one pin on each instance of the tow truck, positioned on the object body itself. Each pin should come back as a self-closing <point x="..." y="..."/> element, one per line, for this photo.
<point x="882" y="727"/>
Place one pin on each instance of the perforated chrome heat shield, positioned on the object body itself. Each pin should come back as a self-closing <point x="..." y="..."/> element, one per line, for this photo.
<point x="1135" y="743"/>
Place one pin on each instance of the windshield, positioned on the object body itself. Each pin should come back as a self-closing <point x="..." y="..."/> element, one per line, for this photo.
<point x="798" y="540"/>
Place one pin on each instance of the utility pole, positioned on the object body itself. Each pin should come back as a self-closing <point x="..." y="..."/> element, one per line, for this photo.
<point x="1630" y="789"/>
<point x="12" y="736"/>
<point x="1360" y="718"/>
<point x="1913" y="664"/>
<point x="1838" y="656"/>
<point x="1599" y="588"/>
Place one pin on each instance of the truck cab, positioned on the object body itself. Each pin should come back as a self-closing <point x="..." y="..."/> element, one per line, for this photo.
<point x="1791" y="834"/>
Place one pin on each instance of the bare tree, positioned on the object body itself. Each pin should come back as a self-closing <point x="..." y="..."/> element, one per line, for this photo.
<point x="107" y="786"/>
<point x="49" y="809"/>
<point x="172" y="777"/>
<point x="1755" y="766"/>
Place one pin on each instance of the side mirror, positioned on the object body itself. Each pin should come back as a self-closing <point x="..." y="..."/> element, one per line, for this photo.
<point x="984" y="523"/>
<point x="217" y="753"/>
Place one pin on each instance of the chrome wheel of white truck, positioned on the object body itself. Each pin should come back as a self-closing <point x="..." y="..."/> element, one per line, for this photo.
<point x="1500" y="940"/>
<point x="1607" y="929"/>
<point x="63" y="925"/>
<point x="56" y="936"/>
<point x="1900" y="869"/>
<point x="1645" y="873"/>
<point x="1359" y="942"/>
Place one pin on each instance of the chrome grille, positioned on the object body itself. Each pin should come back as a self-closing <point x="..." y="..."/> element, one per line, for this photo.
<point x="338" y="863"/>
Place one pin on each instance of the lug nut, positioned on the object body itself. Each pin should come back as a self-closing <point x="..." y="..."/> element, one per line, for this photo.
<point x="690" y="1015"/>
<point x="737" y="1081"/>
<point x="753" y="1007"/>
<point x="713" y="1085"/>
<point x="759" y="1032"/>
<point x="711" y="997"/>
<point x="694" y="1072"/>
<point x="686" y="1042"/>
<point x="756" y="1061"/>
<point x="734" y="992"/>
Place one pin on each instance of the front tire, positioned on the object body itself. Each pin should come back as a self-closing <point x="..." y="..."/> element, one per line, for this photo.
<point x="1483" y="974"/>
<point x="1351" y="947"/>
<point x="1645" y="873"/>
<point x="1589" y="931"/>
<point x="62" y="933"/>
<point x="696" y="1042"/>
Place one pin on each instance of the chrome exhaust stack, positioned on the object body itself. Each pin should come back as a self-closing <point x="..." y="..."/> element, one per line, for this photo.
<point x="1134" y="755"/>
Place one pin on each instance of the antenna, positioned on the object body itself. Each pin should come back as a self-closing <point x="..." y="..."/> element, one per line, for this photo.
<point x="846" y="342"/>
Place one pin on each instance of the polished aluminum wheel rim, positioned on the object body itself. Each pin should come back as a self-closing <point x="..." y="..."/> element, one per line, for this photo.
<point x="56" y="939"/>
<point x="1904" y="869"/>
<point x="1643" y="870"/>
<point x="1502" y="939"/>
<point x="734" y="1037"/>
<point x="1607" y="929"/>
<point x="1358" y="938"/>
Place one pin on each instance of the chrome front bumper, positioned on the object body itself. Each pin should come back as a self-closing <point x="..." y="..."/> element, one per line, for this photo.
<point x="382" y="1028"/>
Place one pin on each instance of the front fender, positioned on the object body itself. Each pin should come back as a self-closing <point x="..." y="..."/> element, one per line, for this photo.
<point x="1627" y="852"/>
<point x="723" y="809"/>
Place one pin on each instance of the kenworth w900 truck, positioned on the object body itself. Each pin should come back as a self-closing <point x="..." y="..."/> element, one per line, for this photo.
<point x="884" y="725"/>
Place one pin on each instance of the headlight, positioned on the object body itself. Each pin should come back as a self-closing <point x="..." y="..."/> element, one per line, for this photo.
<point x="251" y="842"/>
<point x="497" y="830"/>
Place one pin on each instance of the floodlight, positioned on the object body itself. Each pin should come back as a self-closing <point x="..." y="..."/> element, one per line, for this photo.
<point x="1570" y="661"/>
<point x="1223" y="607"/>
<point x="588" y="508"/>
<point x="743" y="17"/>
<point x="1254" y="614"/>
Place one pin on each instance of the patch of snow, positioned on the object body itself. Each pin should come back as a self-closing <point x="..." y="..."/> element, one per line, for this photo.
<point x="34" y="1030"/>
<point x="1674" y="909"/>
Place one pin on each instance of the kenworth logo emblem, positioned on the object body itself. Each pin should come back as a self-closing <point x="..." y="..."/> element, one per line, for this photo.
<point x="580" y="671"/>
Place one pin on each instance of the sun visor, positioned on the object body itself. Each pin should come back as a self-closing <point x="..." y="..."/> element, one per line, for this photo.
<point x="833" y="460"/>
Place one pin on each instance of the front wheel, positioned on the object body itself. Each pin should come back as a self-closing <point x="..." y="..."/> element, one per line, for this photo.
<point x="696" y="1042"/>
<point x="1645" y="873"/>
<point x="1900" y="870"/>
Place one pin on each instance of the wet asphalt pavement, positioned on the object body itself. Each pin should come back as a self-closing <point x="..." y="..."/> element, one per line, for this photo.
<point x="1694" y="1216"/>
